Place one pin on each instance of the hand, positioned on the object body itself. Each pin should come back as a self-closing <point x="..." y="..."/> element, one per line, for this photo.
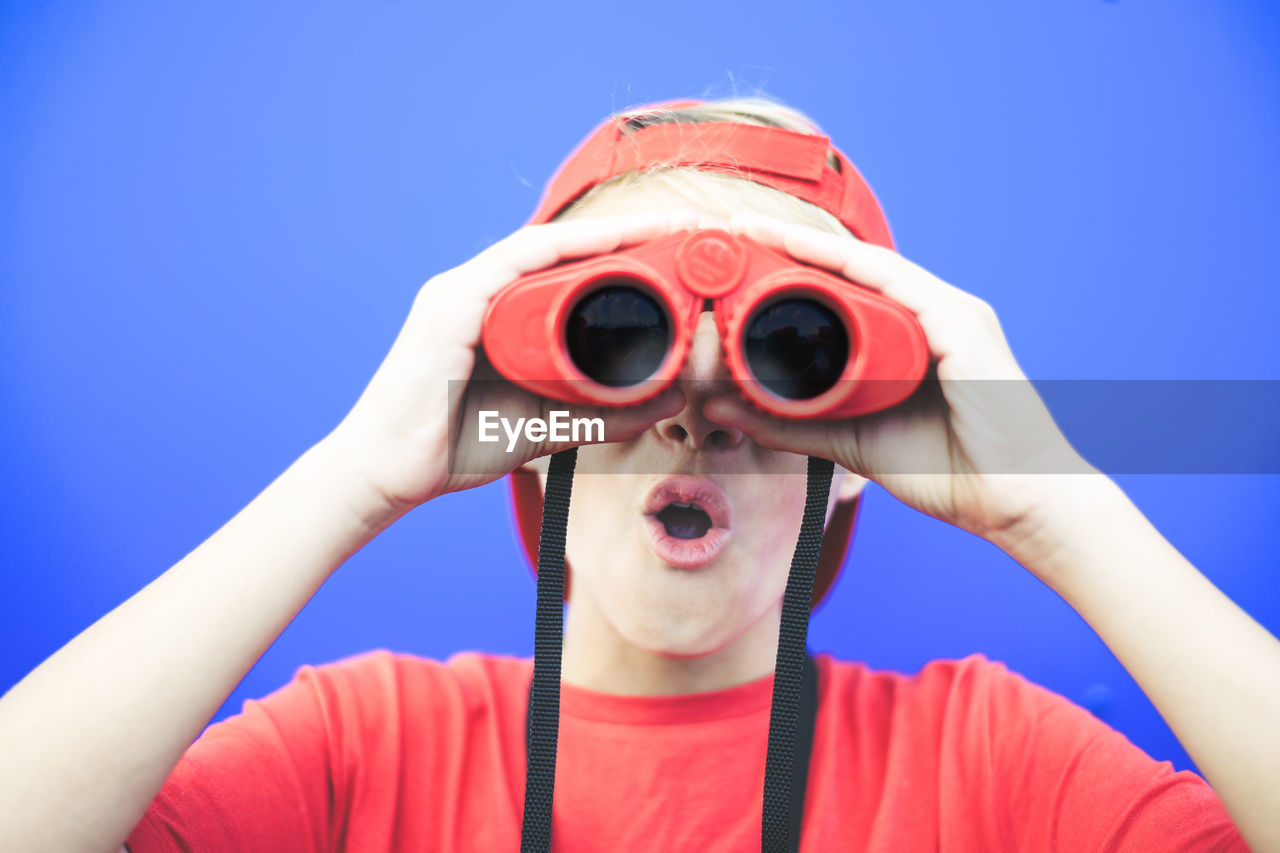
<point x="402" y="432"/>
<point x="970" y="448"/>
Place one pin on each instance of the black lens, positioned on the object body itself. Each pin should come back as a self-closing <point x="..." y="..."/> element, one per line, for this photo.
<point x="797" y="348"/>
<point x="618" y="335"/>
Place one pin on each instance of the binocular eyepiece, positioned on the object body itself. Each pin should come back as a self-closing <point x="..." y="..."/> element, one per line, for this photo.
<point x="619" y="335"/>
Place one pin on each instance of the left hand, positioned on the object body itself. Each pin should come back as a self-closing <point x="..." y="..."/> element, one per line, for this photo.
<point x="972" y="448"/>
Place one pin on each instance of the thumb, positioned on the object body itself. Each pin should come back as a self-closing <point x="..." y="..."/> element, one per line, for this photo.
<point x="606" y="424"/>
<point x="808" y="436"/>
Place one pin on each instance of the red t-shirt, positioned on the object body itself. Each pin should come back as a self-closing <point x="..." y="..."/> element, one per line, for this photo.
<point x="386" y="752"/>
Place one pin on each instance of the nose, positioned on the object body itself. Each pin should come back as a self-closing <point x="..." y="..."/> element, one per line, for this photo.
<point x="703" y="375"/>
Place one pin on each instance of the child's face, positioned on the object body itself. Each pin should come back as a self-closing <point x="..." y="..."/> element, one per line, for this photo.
<point x="631" y="581"/>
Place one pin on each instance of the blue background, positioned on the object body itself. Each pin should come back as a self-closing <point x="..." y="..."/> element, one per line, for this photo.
<point x="213" y="222"/>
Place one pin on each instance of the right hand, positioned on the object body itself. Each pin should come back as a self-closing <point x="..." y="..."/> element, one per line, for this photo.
<point x="397" y="436"/>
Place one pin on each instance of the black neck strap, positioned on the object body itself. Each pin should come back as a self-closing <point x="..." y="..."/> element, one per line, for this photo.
<point x="795" y="683"/>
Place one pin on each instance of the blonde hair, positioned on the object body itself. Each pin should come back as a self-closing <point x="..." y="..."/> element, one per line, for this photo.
<point x="720" y="193"/>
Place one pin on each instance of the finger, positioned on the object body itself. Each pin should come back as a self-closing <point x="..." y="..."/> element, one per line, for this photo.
<point x="537" y="247"/>
<point x="955" y="322"/>
<point x="501" y="427"/>
<point x="457" y="299"/>
<point x="619" y="423"/>
<point x="811" y="437"/>
<point x="880" y="269"/>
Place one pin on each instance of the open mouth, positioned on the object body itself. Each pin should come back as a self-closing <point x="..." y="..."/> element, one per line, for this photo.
<point x="685" y="521"/>
<point x="688" y="519"/>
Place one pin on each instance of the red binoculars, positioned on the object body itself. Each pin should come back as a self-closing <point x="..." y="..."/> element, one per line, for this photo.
<point x="615" y="329"/>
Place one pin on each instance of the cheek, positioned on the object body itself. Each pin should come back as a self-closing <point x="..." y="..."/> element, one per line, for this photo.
<point x="780" y="542"/>
<point x="774" y="513"/>
<point x="603" y="533"/>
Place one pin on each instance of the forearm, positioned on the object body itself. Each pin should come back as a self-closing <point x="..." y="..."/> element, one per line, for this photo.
<point x="88" y="737"/>
<point x="1208" y="667"/>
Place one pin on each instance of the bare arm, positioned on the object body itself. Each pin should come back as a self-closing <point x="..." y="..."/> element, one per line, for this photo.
<point x="89" y="737"/>
<point x="102" y="722"/>
<point x="1208" y="667"/>
<point x="984" y="454"/>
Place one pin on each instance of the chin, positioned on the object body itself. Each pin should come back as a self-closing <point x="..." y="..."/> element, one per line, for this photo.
<point x="677" y="650"/>
<point x="694" y="637"/>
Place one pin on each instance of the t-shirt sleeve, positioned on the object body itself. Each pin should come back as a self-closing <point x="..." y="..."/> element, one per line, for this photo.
<point x="261" y="780"/>
<point x="1068" y="781"/>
